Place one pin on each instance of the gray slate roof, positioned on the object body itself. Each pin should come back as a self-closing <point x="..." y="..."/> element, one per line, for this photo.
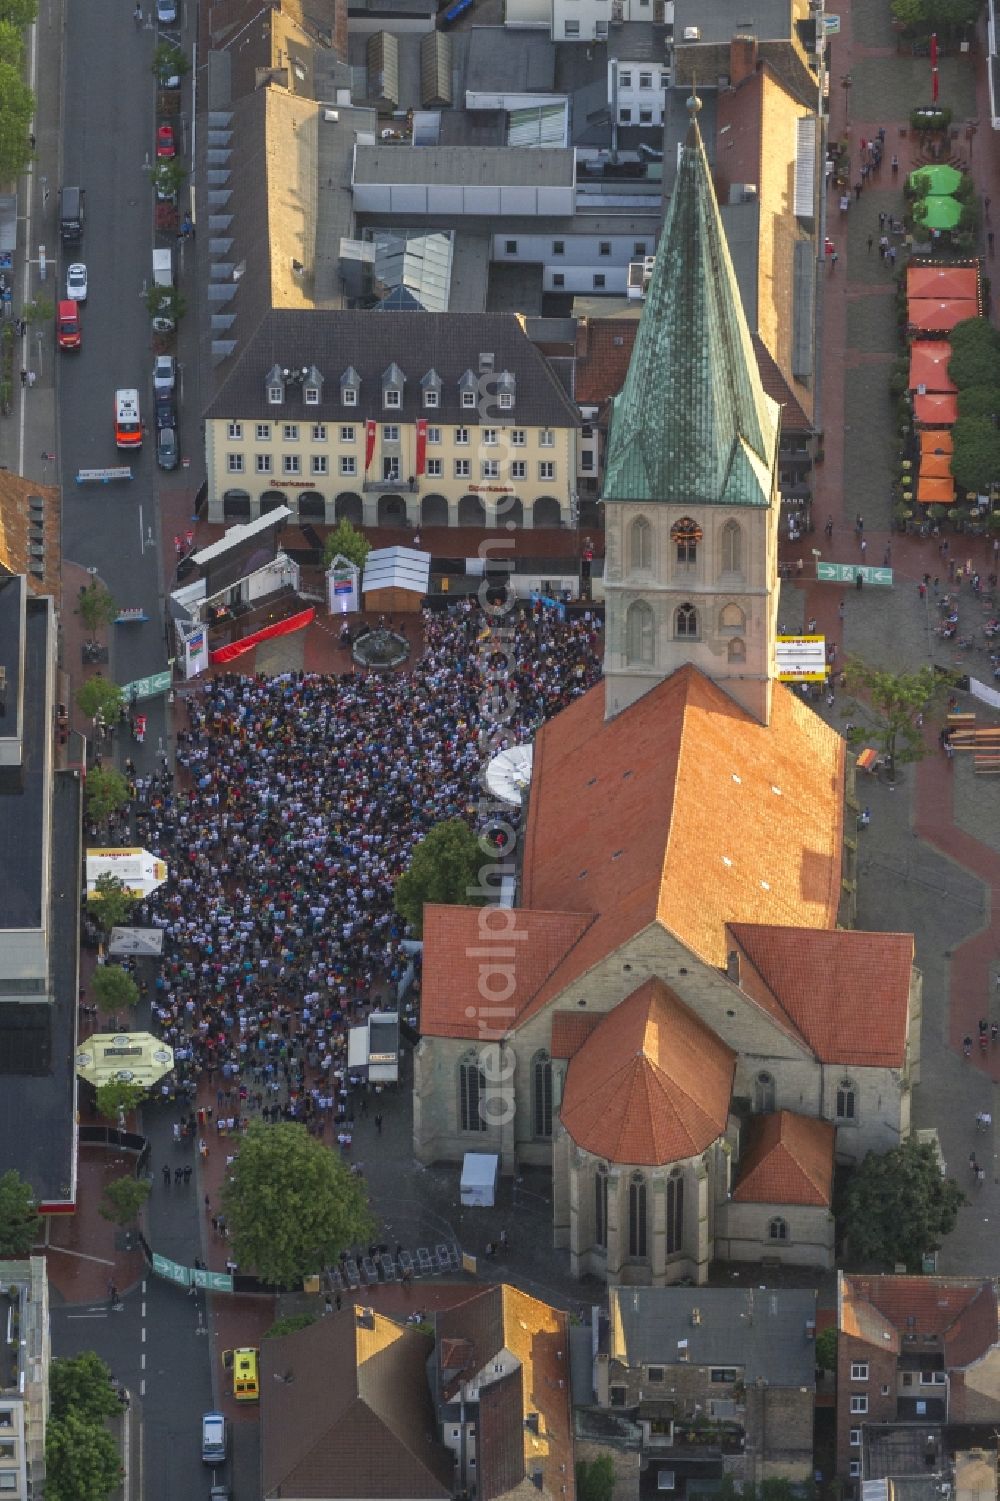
<point x="449" y="343"/>
<point x="471" y="166"/>
<point x="763" y="1330"/>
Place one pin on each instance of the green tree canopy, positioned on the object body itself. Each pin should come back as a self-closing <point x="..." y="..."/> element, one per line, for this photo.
<point x="348" y="541"/>
<point x="291" y="1204"/>
<point x="445" y="867"/>
<point x="165" y="302"/>
<point x="118" y="1096"/>
<point x="595" y="1478"/>
<point x="979" y="401"/>
<point x="168" y="61"/>
<point x="123" y="1198"/>
<point x="948" y="17"/>
<point x="898" y="1207"/>
<point x="975" y="353"/>
<point x="81" y="1460"/>
<point x="96" y="607"/>
<point x="81" y="1384"/>
<point x="975" y="460"/>
<point x="17" y="109"/>
<point x="11" y="44"/>
<point x="891" y="702"/>
<point x="18" y="1217"/>
<point x="19" y="13"/>
<point x="113" y="987"/>
<point x="291" y="1324"/>
<point x="111" y="902"/>
<point x="98" y="696"/>
<point x="826" y="1349"/>
<point x="169" y="176"/>
<point x="106" y="790"/>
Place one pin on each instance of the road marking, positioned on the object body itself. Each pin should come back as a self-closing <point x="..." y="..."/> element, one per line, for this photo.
<point x="144" y="1334"/>
<point x="102" y="1315"/>
<point x="144" y="1309"/>
<point x="142" y="548"/>
<point x="144" y="1291"/>
<point x="142" y="1387"/>
<point x="82" y="1255"/>
<point x="142" y="1361"/>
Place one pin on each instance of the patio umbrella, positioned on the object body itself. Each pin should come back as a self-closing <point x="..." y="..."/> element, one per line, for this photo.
<point x="938" y="211"/>
<point x="936" y="442"/>
<point x="935" y="466"/>
<point x="936" y="492"/>
<point x="942" y="281"/>
<point x="131" y="1057"/>
<point x="929" y="365"/>
<point x="940" y="179"/>
<point x="929" y="315"/>
<point x="938" y="409"/>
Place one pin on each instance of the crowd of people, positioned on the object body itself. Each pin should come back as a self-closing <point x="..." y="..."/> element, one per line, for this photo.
<point x="296" y="804"/>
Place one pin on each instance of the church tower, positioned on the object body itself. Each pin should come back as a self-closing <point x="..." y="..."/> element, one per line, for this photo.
<point x="690" y="486"/>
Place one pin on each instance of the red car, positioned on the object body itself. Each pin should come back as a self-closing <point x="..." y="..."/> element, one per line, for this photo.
<point x="165" y="144"/>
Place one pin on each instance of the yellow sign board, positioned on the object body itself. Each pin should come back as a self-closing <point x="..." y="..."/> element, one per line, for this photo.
<point x="801" y="659"/>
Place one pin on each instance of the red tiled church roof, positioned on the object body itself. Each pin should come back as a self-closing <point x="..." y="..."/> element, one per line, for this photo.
<point x="788" y="1160"/>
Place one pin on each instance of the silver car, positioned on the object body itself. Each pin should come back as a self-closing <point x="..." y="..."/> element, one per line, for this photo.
<point x="76" y="282"/>
<point x="164" y="373"/>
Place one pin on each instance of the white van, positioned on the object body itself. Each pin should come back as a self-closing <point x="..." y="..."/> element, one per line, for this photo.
<point x="163" y="276"/>
<point x="214" y="1438"/>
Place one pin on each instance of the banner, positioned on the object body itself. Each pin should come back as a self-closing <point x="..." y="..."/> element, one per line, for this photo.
<point x="369" y="444"/>
<point x="196" y="653"/>
<point x="138" y="870"/>
<point x="280" y="628"/>
<point x="421" y="444"/>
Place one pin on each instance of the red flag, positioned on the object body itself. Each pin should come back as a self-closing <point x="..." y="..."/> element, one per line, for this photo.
<point x="421" y="444"/>
<point x="369" y="444"/>
<point x="934" y="67"/>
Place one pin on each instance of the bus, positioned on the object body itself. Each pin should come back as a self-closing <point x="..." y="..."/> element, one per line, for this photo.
<point x="128" y="425"/>
<point x="243" y="1364"/>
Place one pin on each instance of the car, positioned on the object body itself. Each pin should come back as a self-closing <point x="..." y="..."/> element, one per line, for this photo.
<point x="166" y="12"/>
<point x="165" y="409"/>
<point x="219" y="1493"/>
<point x="167" y="455"/>
<point x="164" y="373"/>
<point x="166" y="192"/>
<point x="76" y="282"/>
<point x="166" y="146"/>
<point x="214" y="1438"/>
<point x="68" y="331"/>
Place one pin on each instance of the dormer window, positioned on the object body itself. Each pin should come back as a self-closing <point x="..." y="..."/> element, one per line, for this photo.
<point x="430" y="387"/>
<point x="468" y="398"/>
<point x="350" y="387"/>
<point x="469" y="389"/>
<point x="312" y="385"/>
<point x="276" y="394"/>
<point x="275" y="383"/>
<point x="505" y="391"/>
<point x="311" y="395"/>
<point x="393" y="398"/>
<point x="393" y="381"/>
<point x="432" y="397"/>
<point x="350" y="396"/>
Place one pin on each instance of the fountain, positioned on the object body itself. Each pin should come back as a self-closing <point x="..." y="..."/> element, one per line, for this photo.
<point x="381" y="649"/>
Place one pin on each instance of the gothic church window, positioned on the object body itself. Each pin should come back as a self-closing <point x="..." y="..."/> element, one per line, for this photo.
<point x="685" y="535"/>
<point x="675" y="1213"/>
<point x="686" y="623"/>
<point x="637" y="1216"/>
<point x="847" y="1106"/>
<point x="639" y="632"/>
<point x="601" y="1208"/>
<point x="541" y="1095"/>
<point x="472" y="1092"/>
<point x="732" y="548"/>
<point x="732" y="619"/>
<point x="640" y="544"/>
<point x="736" y="651"/>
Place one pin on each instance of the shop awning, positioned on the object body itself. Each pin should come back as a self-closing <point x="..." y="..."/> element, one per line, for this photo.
<point x="931" y="316"/>
<point x="938" y="409"/>
<point x="935" y="466"/>
<point x="936" y="442"/>
<point x="940" y="179"/>
<point x="131" y="1057"/>
<point x="935" y="492"/>
<point x="942" y="281"/>
<point x="929" y="365"/>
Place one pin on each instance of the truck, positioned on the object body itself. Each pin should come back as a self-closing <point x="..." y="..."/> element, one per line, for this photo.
<point x="163" y="276"/>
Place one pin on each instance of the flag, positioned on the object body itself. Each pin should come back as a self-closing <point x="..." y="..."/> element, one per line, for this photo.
<point x="934" y="67"/>
<point x="369" y="444"/>
<point x="421" y="444"/>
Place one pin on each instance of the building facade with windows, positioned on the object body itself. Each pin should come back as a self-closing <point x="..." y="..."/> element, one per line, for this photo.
<point x="24" y="1377"/>
<point x="677" y="1017"/>
<point x="418" y="419"/>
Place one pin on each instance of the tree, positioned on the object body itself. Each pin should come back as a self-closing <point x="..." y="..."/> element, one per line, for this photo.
<point x="979" y="401"/>
<point x="348" y="541"/>
<point x="81" y="1460"/>
<point x="39" y="310"/>
<point x="893" y="702"/>
<point x="289" y="1325"/>
<point x="168" y="62"/>
<point x="113" y="987"/>
<point x="95" y="607"/>
<point x="595" y="1480"/>
<point x="111" y="902"/>
<point x="19" y="13"/>
<point x="118" y="1097"/>
<point x="123" y="1198"/>
<point x="445" y="867"/>
<point x="975" y="460"/>
<point x="168" y="178"/>
<point x="165" y="302"/>
<point x="99" y="697"/>
<point x="17" y="110"/>
<point x="826" y="1350"/>
<point x="898" y="1207"/>
<point x="291" y="1204"/>
<point x="975" y="353"/>
<point x="11" y="44"/>
<point x="18" y="1217"/>
<point x="107" y="791"/>
<point x="81" y="1384"/>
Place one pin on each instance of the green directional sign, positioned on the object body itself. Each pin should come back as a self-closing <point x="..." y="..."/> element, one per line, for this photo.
<point x="172" y="1270"/>
<point x="147" y="687"/>
<point x="847" y="573"/>
<point x="216" y="1282"/>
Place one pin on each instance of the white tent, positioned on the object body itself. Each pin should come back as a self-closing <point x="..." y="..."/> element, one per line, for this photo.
<point x="479" y="1179"/>
<point x="397" y="568"/>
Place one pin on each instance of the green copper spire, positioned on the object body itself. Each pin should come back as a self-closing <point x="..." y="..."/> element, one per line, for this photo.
<point x="692" y="422"/>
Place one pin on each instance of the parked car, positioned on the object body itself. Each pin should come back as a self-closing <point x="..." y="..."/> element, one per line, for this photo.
<point x="166" y="146"/>
<point x="166" y="12"/>
<point x="69" y="334"/>
<point x="165" y="409"/>
<point x="76" y="282"/>
<point x="167" y="454"/>
<point x="164" y="373"/>
<point x="214" y="1438"/>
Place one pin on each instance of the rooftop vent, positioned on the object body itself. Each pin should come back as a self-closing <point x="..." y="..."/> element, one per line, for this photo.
<point x="692" y="33"/>
<point x="331" y="116"/>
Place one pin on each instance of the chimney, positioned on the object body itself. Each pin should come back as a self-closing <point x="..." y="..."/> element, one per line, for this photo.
<point x="742" y="58"/>
<point x="733" y="966"/>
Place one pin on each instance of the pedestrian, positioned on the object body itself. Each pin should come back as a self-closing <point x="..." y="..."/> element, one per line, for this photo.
<point x="887" y="555"/>
<point x="857" y="188"/>
<point x="922" y="589"/>
<point x="864" y="546"/>
<point x="989" y="240"/>
<point x="859" y="524"/>
<point x="166" y="1175"/>
<point x="378" y="1122"/>
<point x="208" y="1205"/>
<point x="24" y="377"/>
<point x="833" y="260"/>
<point x="187" y="1174"/>
<point x="338" y="1302"/>
<point x="881" y="219"/>
<point x="859" y="581"/>
<point x="328" y="1304"/>
<point x="895" y="164"/>
<point x="883" y="246"/>
<point x="972" y="1161"/>
<point x="811" y="626"/>
<point x="892" y="255"/>
<point x="829" y="527"/>
<point x="32" y="377"/>
<point x="871" y="242"/>
<point x="842" y="609"/>
<point x="491" y="1250"/>
<point x="504" y="1241"/>
<point x="31" y="139"/>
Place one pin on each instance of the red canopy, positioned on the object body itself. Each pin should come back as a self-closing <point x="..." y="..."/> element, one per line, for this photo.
<point x="939" y="409"/>
<point x="936" y="492"/>
<point x="929" y="316"/>
<point x="943" y="281"/>
<point x="936" y="442"/>
<point x="935" y="466"/>
<point x="929" y="365"/>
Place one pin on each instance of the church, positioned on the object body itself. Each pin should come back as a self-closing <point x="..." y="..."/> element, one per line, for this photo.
<point x="676" y="1016"/>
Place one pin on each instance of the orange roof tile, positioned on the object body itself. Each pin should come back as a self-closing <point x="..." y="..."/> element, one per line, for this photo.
<point x="603" y="351"/>
<point x="846" y="994"/>
<point x="788" y="1160"/>
<point x="682" y="809"/>
<point x="793" y="418"/>
<point x="651" y="1084"/>
<point x="962" y="1312"/>
<point x="570" y="1030"/>
<point x="17" y="527"/>
<point x="463" y="991"/>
